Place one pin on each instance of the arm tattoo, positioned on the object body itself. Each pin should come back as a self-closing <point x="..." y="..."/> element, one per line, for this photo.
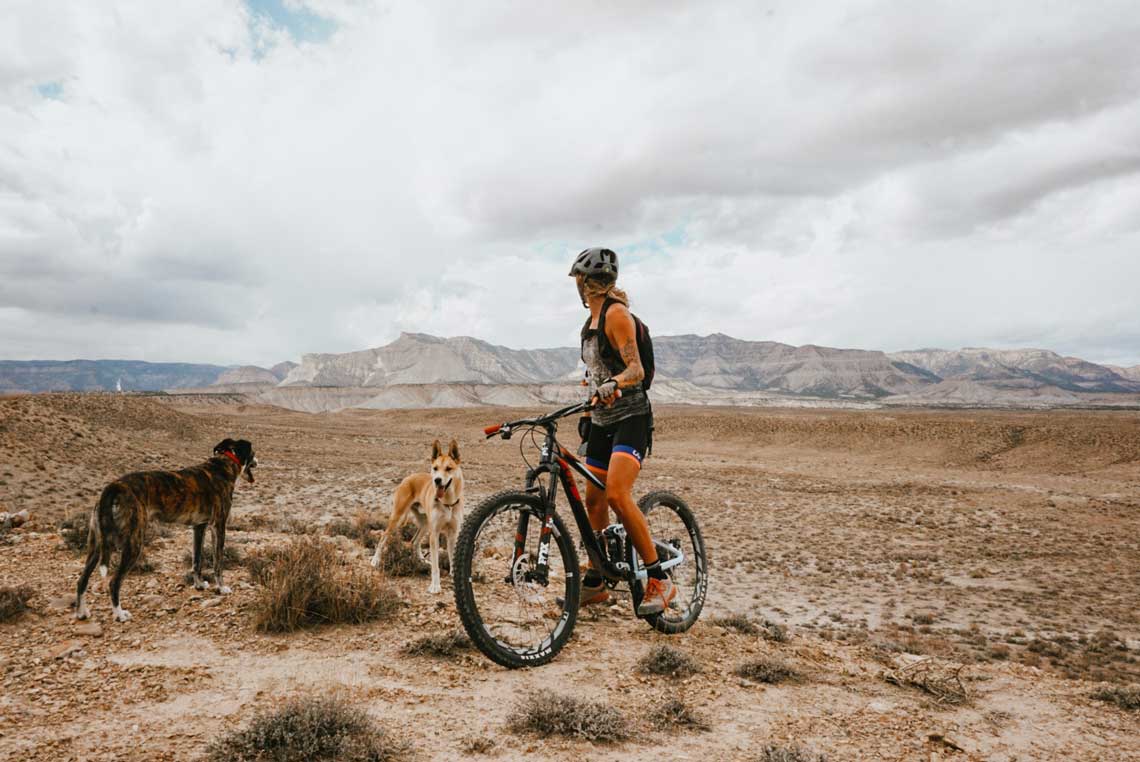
<point x="633" y="372"/>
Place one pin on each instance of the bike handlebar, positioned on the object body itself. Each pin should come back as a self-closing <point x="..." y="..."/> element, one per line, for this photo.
<point x="504" y="429"/>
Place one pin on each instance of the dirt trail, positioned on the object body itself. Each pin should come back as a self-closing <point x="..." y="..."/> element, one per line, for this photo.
<point x="1004" y="541"/>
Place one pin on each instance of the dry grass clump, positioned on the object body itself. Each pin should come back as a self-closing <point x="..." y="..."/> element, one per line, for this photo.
<point x="73" y="530"/>
<point x="361" y="527"/>
<point x="766" y="669"/>
<point x="1126" y="697"/>
<point x="666" y="660"/>
<point x="738" y="622"/>
<point x="774" y="753"/>
<point x="305" y="583"/>
<point x="775" y="632"/>
<point x="401" y="560"/>
<point x="741" y="623"/>
<point x="14" y="602"/>
<point x="546" y="713"/>
<point x="675" y="714"/>
<point x="310" y="728"/>
<point x="476" y="744"/>
<point x="939" y="679"/>
<point x="439" y="644"/>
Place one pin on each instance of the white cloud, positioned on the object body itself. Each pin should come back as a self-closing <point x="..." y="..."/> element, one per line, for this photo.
<point x="204" y="186"/>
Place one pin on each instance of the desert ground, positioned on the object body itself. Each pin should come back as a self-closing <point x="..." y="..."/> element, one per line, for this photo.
<point x="1001" y="547"/>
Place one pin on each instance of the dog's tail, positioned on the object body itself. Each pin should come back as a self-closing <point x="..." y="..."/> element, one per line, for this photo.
<point x="103" y="525"/>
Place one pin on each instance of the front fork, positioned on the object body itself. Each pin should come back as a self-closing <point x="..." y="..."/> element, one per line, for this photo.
<point x="541" y="571"/>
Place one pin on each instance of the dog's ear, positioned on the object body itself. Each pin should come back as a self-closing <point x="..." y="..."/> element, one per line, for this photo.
<point x="224" y="445"/>
<point x="436" y="449"/>
<point x="244" y="450"/>
<point x="453" y="450"/>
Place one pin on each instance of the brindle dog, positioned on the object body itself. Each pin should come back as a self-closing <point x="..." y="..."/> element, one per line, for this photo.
<point x="199" y="496"/>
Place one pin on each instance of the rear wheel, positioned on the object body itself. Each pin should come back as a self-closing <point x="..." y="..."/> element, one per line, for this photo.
<point x="672" y="522"/>
<point x="513" y="617"/>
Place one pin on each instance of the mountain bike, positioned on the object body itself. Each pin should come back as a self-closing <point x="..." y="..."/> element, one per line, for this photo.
<point x="516" y="573"/>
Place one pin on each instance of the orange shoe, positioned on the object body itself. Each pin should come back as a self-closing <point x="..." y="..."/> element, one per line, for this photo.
<point x="658" y="594"/>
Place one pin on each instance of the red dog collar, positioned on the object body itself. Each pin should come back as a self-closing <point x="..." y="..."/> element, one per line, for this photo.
<point x="232" y="457"/>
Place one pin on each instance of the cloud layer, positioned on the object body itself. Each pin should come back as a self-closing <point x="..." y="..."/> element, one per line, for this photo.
<point x="203" y="182"/>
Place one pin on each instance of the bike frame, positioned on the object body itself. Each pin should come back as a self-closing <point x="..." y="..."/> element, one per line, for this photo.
<point x="557" y="465"/>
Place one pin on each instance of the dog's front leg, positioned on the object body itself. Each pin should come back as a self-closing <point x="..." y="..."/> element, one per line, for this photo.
<point x="219" y="546"/>
<point x="199" y="536"/>
<point x="433" y="545"/>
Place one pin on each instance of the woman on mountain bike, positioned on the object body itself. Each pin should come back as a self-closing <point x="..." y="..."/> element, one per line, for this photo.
<point x="619" y="428"/>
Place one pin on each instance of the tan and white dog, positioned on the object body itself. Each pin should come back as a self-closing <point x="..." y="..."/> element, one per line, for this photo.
<point x="435" y="500"/>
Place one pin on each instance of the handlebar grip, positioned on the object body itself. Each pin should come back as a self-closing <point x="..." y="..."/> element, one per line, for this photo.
<point x="492" y="430"/>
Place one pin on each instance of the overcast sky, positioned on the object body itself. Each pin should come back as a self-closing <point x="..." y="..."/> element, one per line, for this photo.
<point x="243" y="182"/>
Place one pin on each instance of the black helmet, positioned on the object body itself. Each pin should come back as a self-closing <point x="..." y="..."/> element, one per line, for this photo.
<point x="600" y="264"/>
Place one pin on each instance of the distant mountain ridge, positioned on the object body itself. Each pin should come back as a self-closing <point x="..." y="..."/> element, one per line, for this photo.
<point x="714" y="369"/>
<point x="126" y="375"/>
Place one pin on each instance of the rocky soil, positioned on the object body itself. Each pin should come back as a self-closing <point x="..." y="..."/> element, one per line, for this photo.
<point x="1006" y="544"/>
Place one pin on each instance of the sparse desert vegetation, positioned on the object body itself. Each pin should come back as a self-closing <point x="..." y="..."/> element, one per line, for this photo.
<point x="547" y="713"/>
<point x="311" y="729"/>
<point x="14" y="601"/>
<point x="668" y="661"/>
<point x="871" y="526"/>
<point x="767" y="669"/>
<point x="306" y="584"/>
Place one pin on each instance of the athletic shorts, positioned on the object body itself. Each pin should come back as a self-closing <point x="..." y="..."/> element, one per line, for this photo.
<point x="628" y="438"/>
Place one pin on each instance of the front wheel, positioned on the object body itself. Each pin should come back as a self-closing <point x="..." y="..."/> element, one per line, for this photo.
<point x="515" y="618"/>
<point x="672" y="522"/>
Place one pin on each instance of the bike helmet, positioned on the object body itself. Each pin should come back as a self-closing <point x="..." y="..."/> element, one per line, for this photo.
<point x="600" y="264"/>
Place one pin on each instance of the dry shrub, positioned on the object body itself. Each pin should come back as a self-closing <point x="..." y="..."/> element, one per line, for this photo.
<point x="401" y="560"/>
<point x="675" y="714"/>
<point x="546" y="713"/>
<point x="1125" y="697"/>
<point x="14" y="602"/>
<point x="440" y="644"/>
<point x="775" y="632"/>
<point x="73" y="530"/>
<point x="310" y="728"/>
<point x="476" y="744"/>
<point x="361" y="527"/>
<point x="774" y="753"/>
<point x="766" y="669"/>
<point x="943" y="680"/>
<point x="738" y="622"/>
<point x="306" y="583"/>
<point x="666" y="660"/>
<point x="743" y="624"/>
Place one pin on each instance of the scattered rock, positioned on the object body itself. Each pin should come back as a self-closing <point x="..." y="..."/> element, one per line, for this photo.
<point x="67" y="649"/>
<point x="61" y="603"/>
<point x="91" y="629"/>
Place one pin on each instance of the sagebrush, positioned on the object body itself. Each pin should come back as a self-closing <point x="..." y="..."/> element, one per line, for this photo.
<point x="766" y="669"/>
<point x="311" y="728"/>
<point x="306" y="583"/>
<point x="675" y="714"/>
<point x="669" y="661"/>
<point x="439" y="644"/>
<point x="546" y="713"/>
<point x="775" y="753"/>
<point x="14" y="602"/>
<point x="1124" y="696"/>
